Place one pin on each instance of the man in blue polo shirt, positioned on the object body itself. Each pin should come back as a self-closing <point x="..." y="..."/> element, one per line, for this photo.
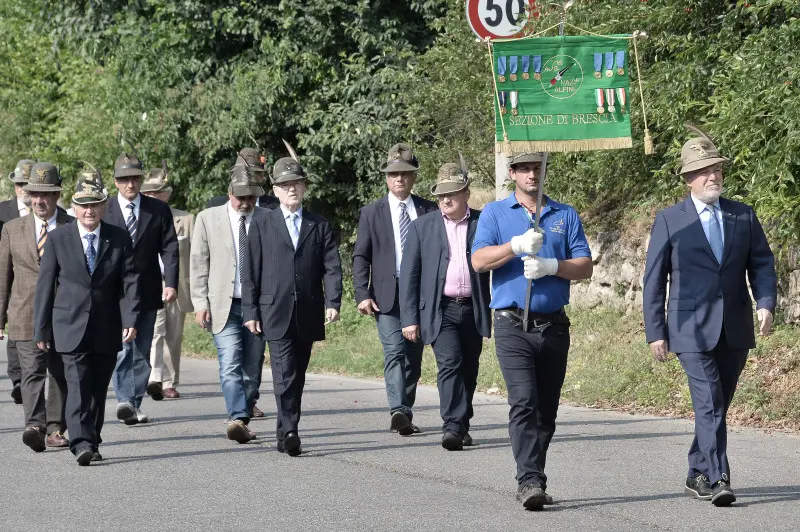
<point x="533" y="362"/>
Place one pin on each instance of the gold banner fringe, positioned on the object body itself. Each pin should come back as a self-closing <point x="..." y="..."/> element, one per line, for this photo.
<point x="526" y="146"/>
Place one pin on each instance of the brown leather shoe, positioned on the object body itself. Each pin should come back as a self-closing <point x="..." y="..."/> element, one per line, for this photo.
<point x="238" y="432"/>
<point x="171" y="393"/>
<point x="57" y="439"/>
<point x="256" y="412"/>
<point x="33" y="437"/>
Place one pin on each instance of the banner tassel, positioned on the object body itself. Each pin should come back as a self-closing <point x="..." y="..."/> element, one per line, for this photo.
<point x="648" y="143"/>
<point x="507" y="146"/>
<point x="648" y="140"/>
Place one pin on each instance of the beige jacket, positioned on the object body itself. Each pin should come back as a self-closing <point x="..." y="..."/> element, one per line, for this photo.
<point x="213" y="265"/>
<point x="184" y="225"/>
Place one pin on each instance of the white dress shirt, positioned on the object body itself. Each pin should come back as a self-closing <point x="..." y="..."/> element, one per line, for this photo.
<point x="705" y="217"/>
<point x="234" y="217"/>
<point x="38" y="222"/>
<point x="123" y="204"/>
<point x="82" y="231"/>
<point x="394" y="207"/>
<point x="22" y="208"/>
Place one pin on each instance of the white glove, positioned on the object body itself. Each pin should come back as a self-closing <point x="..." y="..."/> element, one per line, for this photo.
<point x="528" y="243"/>
<point x="538" y="267"/>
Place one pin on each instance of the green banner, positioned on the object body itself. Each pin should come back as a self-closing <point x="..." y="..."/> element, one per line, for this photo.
<point x="562" y="94"/>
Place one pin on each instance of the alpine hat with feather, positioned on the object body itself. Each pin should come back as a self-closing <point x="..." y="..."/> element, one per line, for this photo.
<point x="699" y="152"/>
<point x="288" y="169"/>
<point x="451" y="178"/>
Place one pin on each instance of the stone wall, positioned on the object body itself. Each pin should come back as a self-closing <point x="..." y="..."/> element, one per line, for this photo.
<point x="619" y="267"/>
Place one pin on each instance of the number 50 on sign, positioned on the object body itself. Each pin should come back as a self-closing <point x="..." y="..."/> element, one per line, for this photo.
<point x="501" y="19"/>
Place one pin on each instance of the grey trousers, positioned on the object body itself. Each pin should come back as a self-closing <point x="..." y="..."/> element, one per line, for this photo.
<point x="35" y="364"/>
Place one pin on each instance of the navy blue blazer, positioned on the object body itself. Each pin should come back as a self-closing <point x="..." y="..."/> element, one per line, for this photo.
<point x="423" y="272"/>
<point x="703" y="293"/>
<point x="374" y="262"/>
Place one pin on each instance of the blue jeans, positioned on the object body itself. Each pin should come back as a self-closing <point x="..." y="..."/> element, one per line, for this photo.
<point x="402" y="362"/>
<point x="133" y="362"/>
<point x="240" y="354"/>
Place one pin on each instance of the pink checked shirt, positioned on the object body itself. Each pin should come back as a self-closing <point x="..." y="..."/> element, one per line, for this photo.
<point x="457" y="283"/>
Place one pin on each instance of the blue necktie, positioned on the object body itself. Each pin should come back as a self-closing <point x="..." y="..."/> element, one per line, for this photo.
<point x="294" y="232"/>
<point x="90" y="253"/>
<point x="715" y="234"/>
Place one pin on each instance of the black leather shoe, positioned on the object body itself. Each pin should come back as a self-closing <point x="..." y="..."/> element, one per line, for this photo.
<point x="97" y="457"/>
<point x="16" y="394"/>
<point x="467" y="440"/>
<point x="531" y="496"/>
<point x="699" y="487"/>
<point x="402" y="425"/>
<point x="155" y="390"/>
<point x="452" y="441"/>
<point x="291" y="444"/>
<point x="415" y="429"/>
<point x="34" y="438"/>
<point x="722" y="494"/>
<point x="84" y="457"/>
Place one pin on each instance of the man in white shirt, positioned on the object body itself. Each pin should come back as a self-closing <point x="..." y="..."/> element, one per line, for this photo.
<point x="219" y="248"/>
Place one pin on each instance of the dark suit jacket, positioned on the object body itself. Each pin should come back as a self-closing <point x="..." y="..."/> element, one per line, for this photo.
<point x="155" y="235"/>
<point x="19" y="270"/>
<point x="9" y="211"/>
<point x="701" y="291"/>
<point x="276" y="278"/>
<point x="266" y="201"/>
<point x="70" y="303"/>
<point x="422" y="277"/>
<point x="374" y="261"/>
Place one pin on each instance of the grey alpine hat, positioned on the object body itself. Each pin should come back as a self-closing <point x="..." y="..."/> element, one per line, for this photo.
<point x="451" y="179"/>
<point x="242" y="182"/>
<point x="89" y="187"/>
<point x="400" y="159"/>
<point x="699" y="153"/>
<point x="44" y="177"/>
<point x="22" y="172"/>
<point x="532" y="157"/>
<point x="287" y="169"/>
<point x="156" y="180"/>
<point x="127" y="166"/>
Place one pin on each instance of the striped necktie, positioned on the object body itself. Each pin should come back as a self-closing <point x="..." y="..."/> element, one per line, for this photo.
<point x="405" y="222"/>
<point x="131" y="223"/>
<point x="242" y="243"/>
<point x="42" y="239"/>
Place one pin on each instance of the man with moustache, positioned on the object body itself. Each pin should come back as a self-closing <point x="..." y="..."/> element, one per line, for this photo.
<point x="533" y="361"/>
<point x="21" y="247"/>
<point x="444" y="303"/>
<point x="292" y="288"/>
<point x="219" y="247"/>
<point x="86" y="307"/>
<point x="702" y="252"/>
<point x="251" y="157"/>
<point x="165" y="353"/>
<point x="382" y="230"/>
<point x="16" y="207"/>
<point x="151" y="228"/>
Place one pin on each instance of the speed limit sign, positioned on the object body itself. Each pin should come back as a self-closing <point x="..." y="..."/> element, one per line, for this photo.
<point x="500" y="19"/>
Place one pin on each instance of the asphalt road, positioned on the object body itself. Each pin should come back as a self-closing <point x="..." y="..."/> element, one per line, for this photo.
<point x="608" y="471"/>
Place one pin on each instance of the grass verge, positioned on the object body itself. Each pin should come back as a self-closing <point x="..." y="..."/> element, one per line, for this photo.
<point x="609" y="367"/>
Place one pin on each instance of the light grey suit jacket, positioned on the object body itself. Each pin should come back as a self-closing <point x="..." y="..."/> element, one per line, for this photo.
<point x="213" y="265"/>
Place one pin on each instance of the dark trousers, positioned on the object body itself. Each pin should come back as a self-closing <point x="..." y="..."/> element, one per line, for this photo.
<point x="402" y="361"/>
<point x="457" y="349"/>
<point x="47" y="414"/>
<point x="533" y="366"/>
<point x="12" y="369"/>
<point x="88" y="375"/>
<point x="288" y="358"/>
<point x="712" y="377"/>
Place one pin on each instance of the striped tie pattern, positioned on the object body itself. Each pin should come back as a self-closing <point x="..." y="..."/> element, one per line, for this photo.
<point x="42" y="239"/>
<point x="405" y="222"/>
<point x="132" y="223"/>
<point x="242" y="243"/>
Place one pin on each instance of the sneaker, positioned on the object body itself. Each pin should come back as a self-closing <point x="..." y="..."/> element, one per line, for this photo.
<point x="126" y="413"/>
<point x="141" y="417"/>
<point x="699" y="487"/>
<point x="721" y="493"/>
<point x="531" y="496"/>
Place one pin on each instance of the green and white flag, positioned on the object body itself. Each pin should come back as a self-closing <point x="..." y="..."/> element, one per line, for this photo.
<point x="561" y="94"/>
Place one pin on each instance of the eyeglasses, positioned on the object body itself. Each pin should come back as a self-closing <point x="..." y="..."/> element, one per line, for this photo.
<point x="399" y="177"/>
<point x="289" y="185"/>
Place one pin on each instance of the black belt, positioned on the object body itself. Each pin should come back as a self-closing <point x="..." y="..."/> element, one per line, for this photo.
<point x="460" y="300"/>
<point x="535" y="319"/>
